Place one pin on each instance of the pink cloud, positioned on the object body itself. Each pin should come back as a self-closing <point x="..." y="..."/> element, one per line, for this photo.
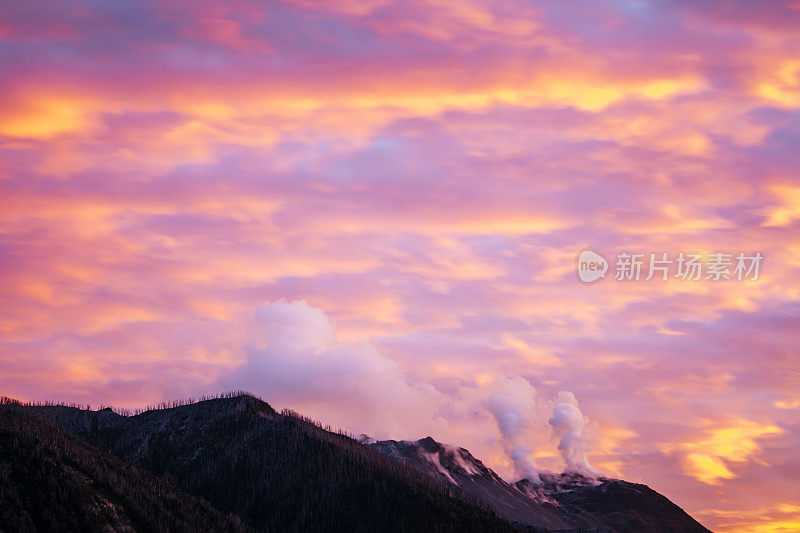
<point x="425" y="174"/>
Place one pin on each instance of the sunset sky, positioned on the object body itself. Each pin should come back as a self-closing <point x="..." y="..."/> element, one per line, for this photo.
<point x="371" y="212"/>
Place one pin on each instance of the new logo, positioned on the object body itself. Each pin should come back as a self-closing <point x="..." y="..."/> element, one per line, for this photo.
<point x="591" y="266"/>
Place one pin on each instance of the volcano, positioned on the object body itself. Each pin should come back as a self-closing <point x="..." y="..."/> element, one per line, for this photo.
<point x="233" y="463"/>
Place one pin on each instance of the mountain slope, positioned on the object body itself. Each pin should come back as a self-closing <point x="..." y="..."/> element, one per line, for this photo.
<point x="611" y="504"/>
<point x="558" y="501"/>
<point x="52" y="481"/>
<point x="456" y="466"/>
<point x="279" y="472"/>
<point x="282" y="472"/>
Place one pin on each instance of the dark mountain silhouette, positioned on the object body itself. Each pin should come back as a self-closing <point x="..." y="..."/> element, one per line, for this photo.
<point x="275" y="471"/>
<point x="556" y="501"/>
<point x="611" y="504"/>
<point x="53" y="481"/>
<point x="456" y="466"/>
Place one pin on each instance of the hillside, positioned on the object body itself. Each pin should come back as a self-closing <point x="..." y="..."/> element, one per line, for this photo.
<point x="275" y="471"/>
<point x="556" y="501"/>
<point x="278" y="472"/>
<point x="52" y="481"/>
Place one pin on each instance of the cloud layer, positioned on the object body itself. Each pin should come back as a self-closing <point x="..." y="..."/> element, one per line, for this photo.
<point x="424" y="175"/>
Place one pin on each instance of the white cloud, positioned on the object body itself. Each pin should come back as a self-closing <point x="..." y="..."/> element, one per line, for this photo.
<point x="294" y="360"/>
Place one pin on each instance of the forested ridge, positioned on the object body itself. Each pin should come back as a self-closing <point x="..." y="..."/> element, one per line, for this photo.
<point x="257" y="468"/>
<point x="53" y="481"/>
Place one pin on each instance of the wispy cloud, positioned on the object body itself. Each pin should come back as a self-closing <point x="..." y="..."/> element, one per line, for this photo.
<point x="423" y="175"/>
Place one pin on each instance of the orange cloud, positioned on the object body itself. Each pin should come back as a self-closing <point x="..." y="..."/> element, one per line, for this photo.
<point x="708" y="459"/>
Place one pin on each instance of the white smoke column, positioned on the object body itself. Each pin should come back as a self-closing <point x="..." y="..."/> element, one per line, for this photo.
<point x="513" y="406"/>
<point x="573" y="430"/>
<point x="294" y="359"/>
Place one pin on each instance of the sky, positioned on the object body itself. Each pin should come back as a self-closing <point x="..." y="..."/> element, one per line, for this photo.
<point x="371" y="212"/>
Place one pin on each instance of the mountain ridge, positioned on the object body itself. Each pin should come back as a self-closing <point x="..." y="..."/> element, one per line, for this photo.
<point x="555" y="501"/>
<point x="52" y="481"/>
<point x="284" y="471"/>
<point x="277" y="471"/>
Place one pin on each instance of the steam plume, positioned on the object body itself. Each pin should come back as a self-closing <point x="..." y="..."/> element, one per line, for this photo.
<point x="513" y="407"/>
<point x="573" y="430"/>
